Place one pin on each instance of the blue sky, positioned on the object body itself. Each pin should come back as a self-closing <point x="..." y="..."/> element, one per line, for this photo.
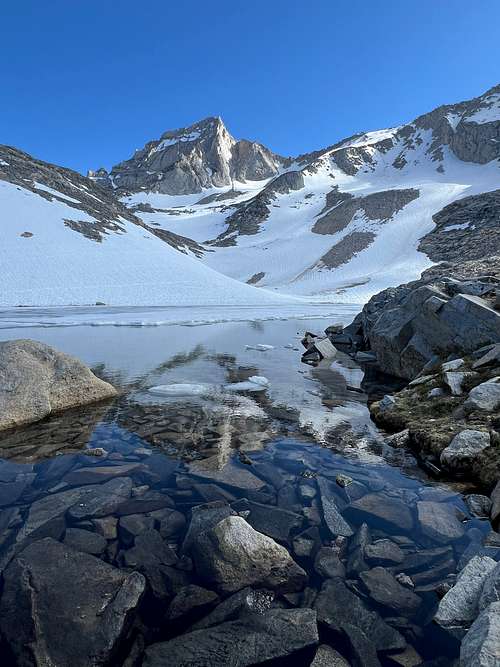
<point x="85" y="82"/>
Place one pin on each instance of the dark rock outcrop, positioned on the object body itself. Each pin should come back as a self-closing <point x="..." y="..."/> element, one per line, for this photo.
<point x="50" y="618"/>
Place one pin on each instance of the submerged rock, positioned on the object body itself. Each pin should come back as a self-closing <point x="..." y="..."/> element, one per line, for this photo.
<point x="51" y="616"/>
<point x="337" y="606"/>
<point x="384" y="512"/>
<point x="388" y="592"/>
<point x="241" y="603"/>
<point x="232" y="555"/>
<point x="249" y="641"/>
<point x="36" y="380"/>
<point x="336" y="523"/>
<point x="439" y="521"/>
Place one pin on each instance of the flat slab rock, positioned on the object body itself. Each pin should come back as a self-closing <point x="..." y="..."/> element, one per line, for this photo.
<point x="36" y="379"/>
<point x="49" y="618"/>
<point x="257" y="638"/>
<point x="381" y="512"/>
<point x="439" y="522"/>
<point x="336" y="523"/>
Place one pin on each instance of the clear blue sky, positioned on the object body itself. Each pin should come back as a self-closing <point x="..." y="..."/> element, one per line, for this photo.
<point x="85" y="82"/>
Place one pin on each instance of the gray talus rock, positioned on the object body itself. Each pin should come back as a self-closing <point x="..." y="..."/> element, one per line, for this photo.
<point x="460" y="606"/>
<point x="232" y="555"/>
<point x="465" y="447"/>
<point x="250" y="641"/>
<point x="481" y="645"/>
<point x="485" y="397"/>
<point x="36" y="379"/>
<point x="50" y="618"/>
<point x="439" y="521"/>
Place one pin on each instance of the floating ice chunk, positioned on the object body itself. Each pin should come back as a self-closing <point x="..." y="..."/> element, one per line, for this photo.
<point x="352" y="376"/>
<point x="182" y="389"/>
<point x="259" y="379"/>
<point x="254" y="383"/>
<point x="261" y="347"/>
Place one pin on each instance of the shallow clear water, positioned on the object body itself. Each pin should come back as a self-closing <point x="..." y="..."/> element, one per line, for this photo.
<point x="308" y="426"/>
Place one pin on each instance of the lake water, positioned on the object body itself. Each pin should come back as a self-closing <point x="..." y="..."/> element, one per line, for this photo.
<point x="281" y="446"/>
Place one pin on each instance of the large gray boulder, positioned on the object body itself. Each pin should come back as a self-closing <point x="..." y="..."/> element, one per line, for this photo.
<point x="464" y="449"/>
<point x="232" y="555"/>
<point x="485" y="397"/>
<point x="36" y="380"/>
<point x="460" y="606"/>
<point x="253" y="640"/>
<point x="438" y="314"/>
<point x="481" y="645"/>
<point x="63" y="607"/>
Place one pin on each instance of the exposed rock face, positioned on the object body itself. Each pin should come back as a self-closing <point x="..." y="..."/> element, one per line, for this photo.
<point x="36" y="380"/>
<point x="438" y="314"/>
<point x="187" y="160"/>
<point x="50" y="618"/>
<point x="260" y="637"/>
<point x="467" y="229"/>
<point x="342" y="207"/>
<point x="248" y="217"/>
<point x="233" y="555"/>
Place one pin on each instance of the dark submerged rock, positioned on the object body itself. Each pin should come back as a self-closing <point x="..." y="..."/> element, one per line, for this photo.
<point x="49" y="617"/>
<point x="249" y="641"/>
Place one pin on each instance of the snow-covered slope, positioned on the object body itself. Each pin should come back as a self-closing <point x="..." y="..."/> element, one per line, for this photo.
<point x="344" y="222"/>
<point x="64" y="240"/>
<point x="199" y="218"/>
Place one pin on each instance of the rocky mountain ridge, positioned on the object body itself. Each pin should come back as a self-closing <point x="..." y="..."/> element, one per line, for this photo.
<point x="189" y="159"/>
<point x="338" y="224"/>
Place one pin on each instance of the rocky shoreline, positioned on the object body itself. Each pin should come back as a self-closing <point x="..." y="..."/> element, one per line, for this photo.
<point x="442" y="335"/>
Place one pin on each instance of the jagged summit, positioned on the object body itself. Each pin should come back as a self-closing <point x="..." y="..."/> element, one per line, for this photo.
<point x="189" y="159"/>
